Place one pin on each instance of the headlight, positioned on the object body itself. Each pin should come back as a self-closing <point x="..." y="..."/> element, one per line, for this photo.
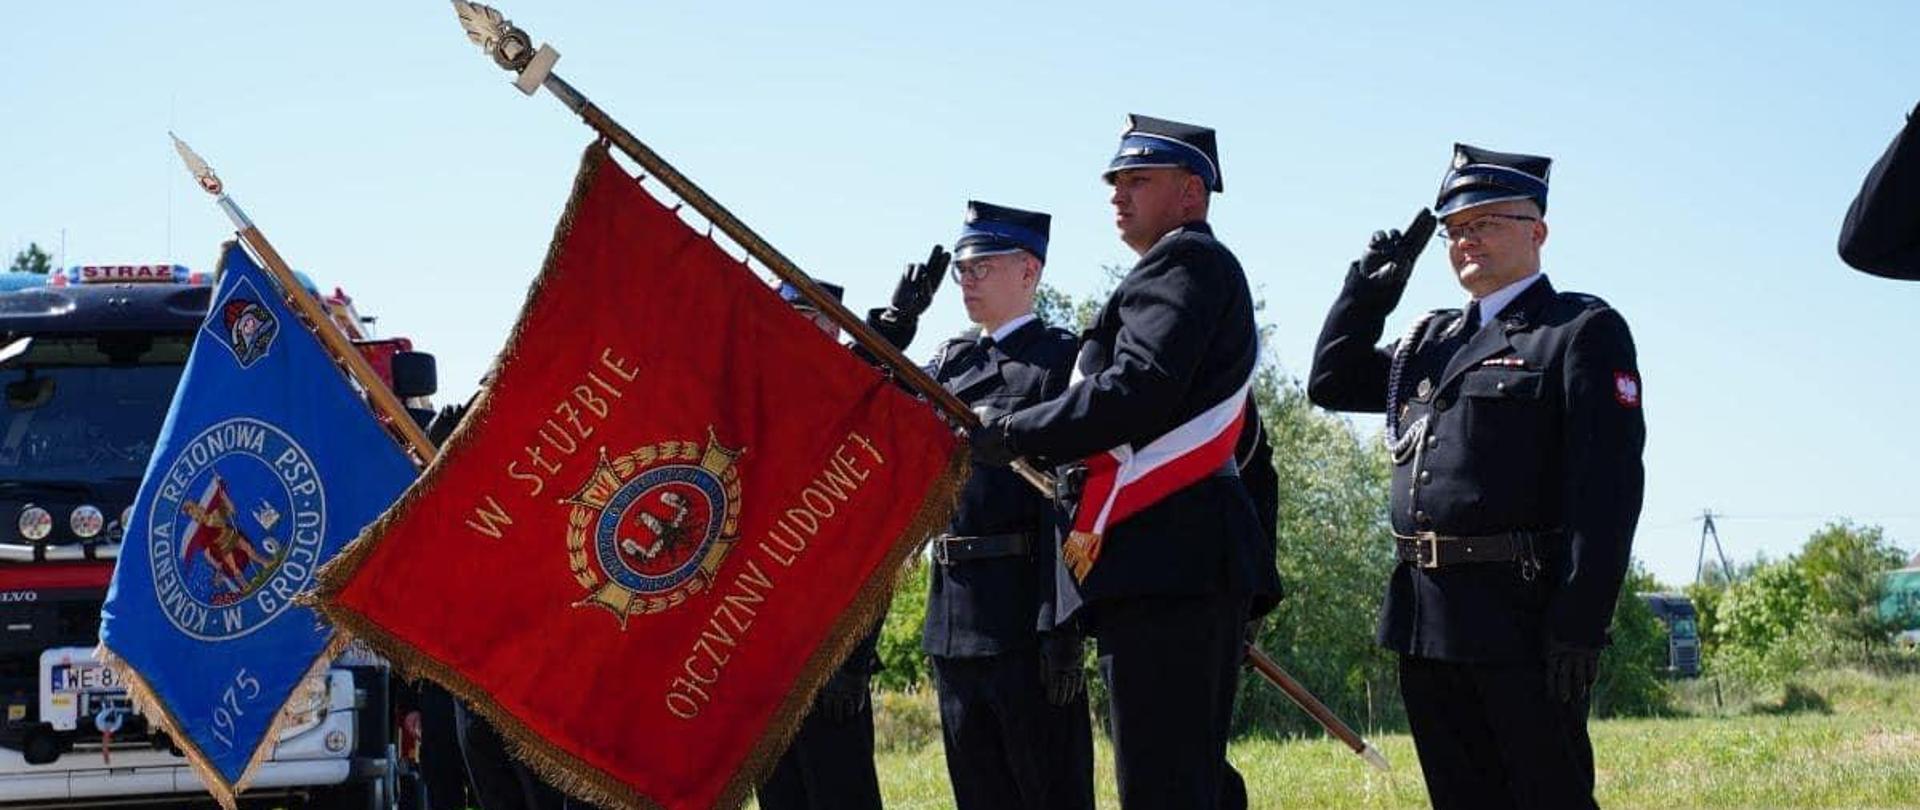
<point x="35" y="523"/>
<point x="86" y="521"/>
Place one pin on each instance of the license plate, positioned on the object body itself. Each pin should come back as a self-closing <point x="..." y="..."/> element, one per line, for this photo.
<point x="83" y="678"/>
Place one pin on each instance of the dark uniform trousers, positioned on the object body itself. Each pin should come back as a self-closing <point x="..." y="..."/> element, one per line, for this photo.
<point x="1007" y="747"/>
<point x="1168" y="599"/>
<point x="500" y="781"/>
<point x="1527" y="431"/>
<point x="1489" y="736"/>
<point x="1881" y="234"/>
<point x="829" y="763"/>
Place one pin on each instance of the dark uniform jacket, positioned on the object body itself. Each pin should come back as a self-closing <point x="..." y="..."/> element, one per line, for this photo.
<point x="1534" y="424"/>
<point x="1175" y="338"/>
<point x="1253" y="455"/>
<point x="989" y="606"/>
<point x="1882" y="232"/>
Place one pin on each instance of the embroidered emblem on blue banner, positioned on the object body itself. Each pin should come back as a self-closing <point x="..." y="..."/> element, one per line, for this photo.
<point x="242" y="322"/>
<point x="268" y="464"/>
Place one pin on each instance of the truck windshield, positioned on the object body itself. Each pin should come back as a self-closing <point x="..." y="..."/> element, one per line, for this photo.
<point x="1686" y="627"/>
<point x="87" y="408"/>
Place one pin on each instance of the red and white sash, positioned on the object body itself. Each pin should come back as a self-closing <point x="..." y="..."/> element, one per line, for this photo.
<point x="1123" y="481"/>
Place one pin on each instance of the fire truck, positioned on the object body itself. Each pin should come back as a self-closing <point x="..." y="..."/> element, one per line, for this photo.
<point x="89" y="358"/>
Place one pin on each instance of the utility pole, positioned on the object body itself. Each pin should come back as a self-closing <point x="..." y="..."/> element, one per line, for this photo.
<point x="1707" y="529"/>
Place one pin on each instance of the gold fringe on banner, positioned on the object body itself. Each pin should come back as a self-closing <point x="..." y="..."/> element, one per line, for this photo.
<point x="147" y="702"/>
<point x="563" y="770"/>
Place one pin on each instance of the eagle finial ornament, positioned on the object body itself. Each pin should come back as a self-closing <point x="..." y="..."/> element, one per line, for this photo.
<point x="509" y="46"/>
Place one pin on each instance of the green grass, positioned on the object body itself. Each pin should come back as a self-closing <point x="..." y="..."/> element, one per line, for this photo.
<point x="1843" y="739"/>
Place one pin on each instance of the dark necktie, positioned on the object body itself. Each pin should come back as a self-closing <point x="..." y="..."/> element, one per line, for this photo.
<point x="1470" y="320"/>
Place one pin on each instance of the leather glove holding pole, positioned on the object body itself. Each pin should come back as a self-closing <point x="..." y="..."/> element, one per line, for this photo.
<point x="1251" y="637"/>
<point x="1383" y="270"/>
<point x="1571" y="671"/>
<point x="1062" y="672"/>
<point x="991" y="444"/>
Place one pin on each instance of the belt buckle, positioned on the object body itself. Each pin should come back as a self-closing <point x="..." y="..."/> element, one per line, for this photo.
<point x="940" y="552"/>
<point x="1428" y="542"/>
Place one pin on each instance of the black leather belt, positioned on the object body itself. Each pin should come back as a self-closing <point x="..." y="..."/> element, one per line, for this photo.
<point x="949" y="549"/>
<point x="1430" y="550"/>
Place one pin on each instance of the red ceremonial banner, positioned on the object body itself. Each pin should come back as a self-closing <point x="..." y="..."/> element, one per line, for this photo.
<point x="672" y="513"/>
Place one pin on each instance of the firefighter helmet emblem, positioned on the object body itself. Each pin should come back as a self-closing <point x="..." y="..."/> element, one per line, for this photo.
<point x="651" y="527"/>
<point x="243" y="324"/>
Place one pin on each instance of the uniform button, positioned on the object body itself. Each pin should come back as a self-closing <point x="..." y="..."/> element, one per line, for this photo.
<point x="1421" y="517"/>
<point x="1432" y="440"/>
<point x="1500" y="386"/>
<point x="1426" y="476"/>
<point x="1442" y="404"/>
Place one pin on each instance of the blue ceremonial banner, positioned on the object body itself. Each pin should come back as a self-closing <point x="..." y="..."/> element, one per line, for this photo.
<point x="269" y="462"/>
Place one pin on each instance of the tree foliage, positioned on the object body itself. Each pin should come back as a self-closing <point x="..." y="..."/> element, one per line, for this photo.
<point x="1630" y="683"/>
<point x="32" y="260"/>
<point x="1818" y="607"/>
<point x="1760" y="623"/>
<point x="1845" y="567"/>
<point x="902" y="665"/>
<point x="1335" y="552"/>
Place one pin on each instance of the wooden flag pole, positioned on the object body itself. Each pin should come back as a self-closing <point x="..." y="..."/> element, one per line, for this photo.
<point x="384" y="403"/>
<point x="513" y="50"/>
<point x="1270" y="669"/>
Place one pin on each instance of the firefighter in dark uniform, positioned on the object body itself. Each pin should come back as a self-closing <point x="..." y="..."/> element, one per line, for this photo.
<point x="1013" y="702"/>
<point x="1516" y="433"/>
<point x="829" y="763"/>
<point x="1166" y="366"/>
<point x="1882" y="231"/>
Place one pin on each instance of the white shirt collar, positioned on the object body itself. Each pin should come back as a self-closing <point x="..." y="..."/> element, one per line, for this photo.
<point x="1008" y="327"/>
<point x="1495" y="301"/>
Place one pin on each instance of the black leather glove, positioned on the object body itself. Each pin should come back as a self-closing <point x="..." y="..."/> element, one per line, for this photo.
<point x="1250" y="636"/>
<point x="1571" y="671"/>
<point x="991" y="444"/>
<point x="444" y="422"/>
<point x="914" y="293"/>
<point x="1061" y="670"/>
<point x="1383" y="270"/>
<point x="843" y="695"/>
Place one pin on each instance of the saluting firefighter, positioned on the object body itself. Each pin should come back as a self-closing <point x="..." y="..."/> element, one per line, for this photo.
<point x="829" y="763"/>
<point x="1516" y="432"/>
<point x="1013" y="702"/>
<point x="1166" y="554"/>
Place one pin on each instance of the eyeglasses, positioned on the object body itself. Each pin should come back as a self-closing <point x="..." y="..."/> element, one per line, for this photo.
<point x="1478" y="226"/>
<point x="973" y="270"/>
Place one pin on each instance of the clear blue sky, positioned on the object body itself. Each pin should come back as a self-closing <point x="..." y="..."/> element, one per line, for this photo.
<point x="1705" y="153"/>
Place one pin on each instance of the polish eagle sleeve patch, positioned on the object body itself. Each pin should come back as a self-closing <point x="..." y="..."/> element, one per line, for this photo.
<point x="1626" y="389"/>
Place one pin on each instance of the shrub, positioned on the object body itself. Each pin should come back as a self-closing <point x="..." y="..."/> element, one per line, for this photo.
<point x="1759" y="623"/>
<point x="902" y="666"/>
<point x="1630" y="684"/>
<point x="1335" y="553"/>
